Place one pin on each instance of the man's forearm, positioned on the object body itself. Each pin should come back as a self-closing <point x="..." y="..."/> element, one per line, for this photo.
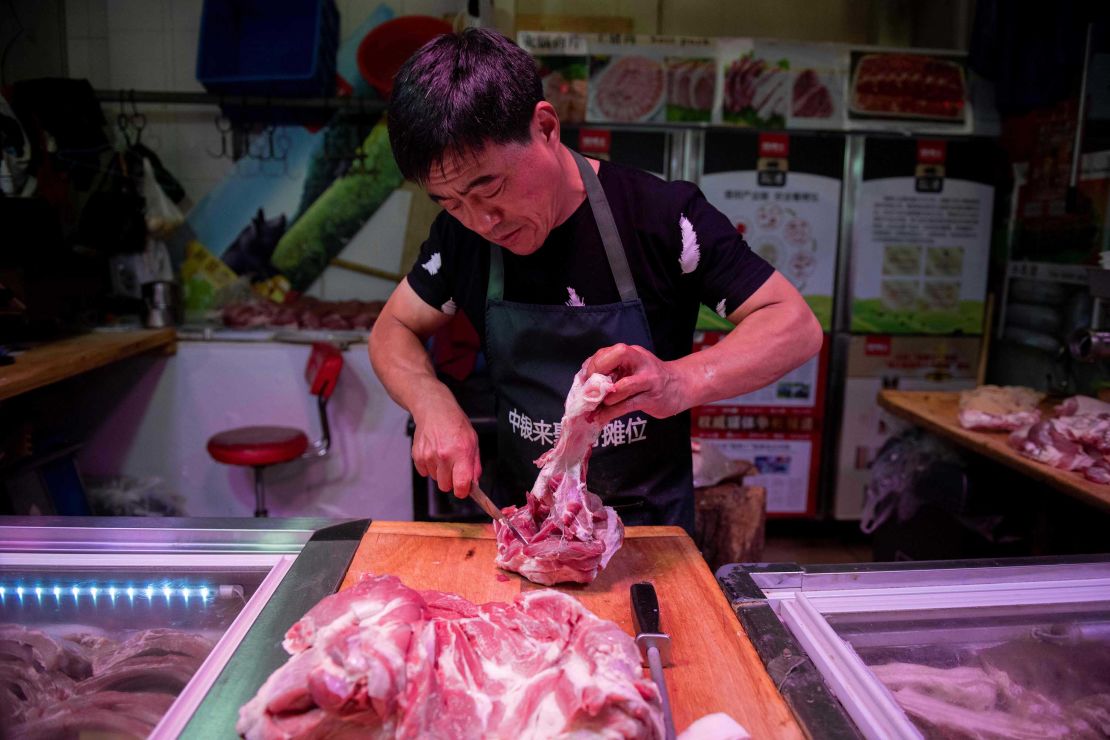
<point x="761" y="349"/>
<point x="402" y="364"/>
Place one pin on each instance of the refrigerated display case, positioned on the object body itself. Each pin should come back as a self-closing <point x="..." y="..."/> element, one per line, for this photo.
<point x="984" y="648"/>
<point x="120" y="628"/>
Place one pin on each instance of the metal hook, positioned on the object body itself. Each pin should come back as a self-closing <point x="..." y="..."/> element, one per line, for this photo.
<point x="220" y="120"/>
<point x="137" y="120"/>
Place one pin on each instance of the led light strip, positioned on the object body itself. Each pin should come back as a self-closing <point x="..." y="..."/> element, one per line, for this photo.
<point x="153" y="593"/>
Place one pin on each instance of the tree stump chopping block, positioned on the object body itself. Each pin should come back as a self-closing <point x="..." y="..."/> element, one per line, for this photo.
<point x="729" y="523"/>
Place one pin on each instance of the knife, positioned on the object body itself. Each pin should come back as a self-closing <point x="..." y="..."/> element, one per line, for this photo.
<point x="490" y="508"/>
<point x="655" y="645"/>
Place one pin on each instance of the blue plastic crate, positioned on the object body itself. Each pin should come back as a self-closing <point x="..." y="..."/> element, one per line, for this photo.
<point x="280" y="48"/>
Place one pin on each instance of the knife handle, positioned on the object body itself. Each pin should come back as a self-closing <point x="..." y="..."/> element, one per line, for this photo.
<point x="645" y="607"/>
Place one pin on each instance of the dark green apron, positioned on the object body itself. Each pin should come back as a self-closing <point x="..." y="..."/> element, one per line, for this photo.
<point x="641" y="465"/>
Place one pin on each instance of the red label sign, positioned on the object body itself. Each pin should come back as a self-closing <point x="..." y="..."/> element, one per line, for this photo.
<point x="877" y="346"/>
<point x="594" y="140"/>
<point x="931" y="151"/>
<point x="774" y="145"/>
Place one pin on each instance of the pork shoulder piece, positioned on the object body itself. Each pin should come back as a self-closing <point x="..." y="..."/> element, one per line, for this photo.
<point x="1047" y="442"/>
<point x="999" y="408"/>
<point x="1082" y="405"/>
<point x="383" y="660"/>
<point x="570" y="534"/>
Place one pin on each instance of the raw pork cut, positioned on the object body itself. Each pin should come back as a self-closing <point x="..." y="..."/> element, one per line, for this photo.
<point x="999" y="408"/>
<point x="571" y="535"/>
<point x="1047" y="442"/>
<point x="1077" y="438"/>
<point x="1082" y="405"/>
<point x="383" y="660"/>
<point x="89" y="683"/>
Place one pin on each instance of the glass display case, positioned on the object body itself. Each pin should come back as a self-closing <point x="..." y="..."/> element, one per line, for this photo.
<point x="120" y="629"/>
<point x="966" y="649"/>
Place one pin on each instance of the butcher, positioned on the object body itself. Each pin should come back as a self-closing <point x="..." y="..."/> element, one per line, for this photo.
<point x="563" y="262"/>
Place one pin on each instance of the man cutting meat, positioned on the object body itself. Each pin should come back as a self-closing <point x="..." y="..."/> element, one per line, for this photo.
<point x="556" y="260"/>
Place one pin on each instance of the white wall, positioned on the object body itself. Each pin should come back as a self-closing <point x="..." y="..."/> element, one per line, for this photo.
<point x="160" y="424"/>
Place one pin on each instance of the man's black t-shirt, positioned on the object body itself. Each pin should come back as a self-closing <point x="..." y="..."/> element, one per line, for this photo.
<point x="682" y="252"/>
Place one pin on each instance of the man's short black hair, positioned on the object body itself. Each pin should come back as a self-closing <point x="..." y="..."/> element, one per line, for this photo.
<point x="458" y="93"/>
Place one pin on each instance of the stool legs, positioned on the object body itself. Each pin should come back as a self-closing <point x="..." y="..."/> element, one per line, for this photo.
<point x="259" y="494"/>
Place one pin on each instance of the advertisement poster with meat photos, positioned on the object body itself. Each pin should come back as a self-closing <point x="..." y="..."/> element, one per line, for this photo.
<point x="921" y="237"/>
<point x="818" y="76"/>
<point x="628" y="80"/>
<point x="876" y="362"/>
<point x="777" y="429"/>
<point x="564" y="67"/>
<point x="691" y="64"/>
<point x="892" y="89"/>
<point x="754" y="80"/>
<point x="794" y="225"/>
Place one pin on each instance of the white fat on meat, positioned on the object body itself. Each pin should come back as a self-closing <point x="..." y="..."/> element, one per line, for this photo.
<point x="716" y="726"/>
<point x="389" y="661"/>
<point x="570" y="534"/>
<point x="1076" y="439"/>
<point x="999" y="408"/>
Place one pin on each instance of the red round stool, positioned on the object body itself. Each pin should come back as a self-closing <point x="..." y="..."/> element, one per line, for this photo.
<point x="259" y="447"/>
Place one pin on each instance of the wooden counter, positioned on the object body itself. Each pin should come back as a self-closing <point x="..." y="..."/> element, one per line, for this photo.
<point x="937" y="412"/>
<point x="716" y="668"/>
<point x="48" y="363"/>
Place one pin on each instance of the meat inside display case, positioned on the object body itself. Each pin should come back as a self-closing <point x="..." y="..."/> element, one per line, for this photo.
<point x="108" y="648"/>
<point x="1040" y="672"/>
<point x="960" y="649"/>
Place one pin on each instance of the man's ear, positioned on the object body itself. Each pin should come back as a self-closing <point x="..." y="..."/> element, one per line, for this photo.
<point x="545" y="122"/>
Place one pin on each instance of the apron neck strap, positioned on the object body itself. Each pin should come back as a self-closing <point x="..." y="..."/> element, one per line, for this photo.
<point x="607" y="228"/>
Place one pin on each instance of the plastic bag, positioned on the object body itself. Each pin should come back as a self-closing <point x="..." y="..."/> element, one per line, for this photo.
<point x="163" y="217"/>
<point x="912" y="469"/>
<point x="711" y="466"/>
<point x="128" y="496"/>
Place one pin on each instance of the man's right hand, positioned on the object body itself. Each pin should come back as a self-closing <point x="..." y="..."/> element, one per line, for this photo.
<point x="445" y="447"/>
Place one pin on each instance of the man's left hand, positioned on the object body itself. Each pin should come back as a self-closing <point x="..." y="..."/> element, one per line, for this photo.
<point x="643" y="383"/>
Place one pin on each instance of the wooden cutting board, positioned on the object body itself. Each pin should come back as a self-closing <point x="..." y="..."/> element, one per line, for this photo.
<point x="715" y="669"/>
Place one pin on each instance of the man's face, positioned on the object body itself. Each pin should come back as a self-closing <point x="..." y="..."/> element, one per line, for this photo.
<point x="508" y="193"/>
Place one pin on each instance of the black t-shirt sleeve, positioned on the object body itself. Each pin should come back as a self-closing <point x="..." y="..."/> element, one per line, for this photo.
<point x="433" y="277"/>
<point x="726" y="270"/>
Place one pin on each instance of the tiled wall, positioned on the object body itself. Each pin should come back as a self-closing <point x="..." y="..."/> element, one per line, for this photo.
<point x="152" y="45"/>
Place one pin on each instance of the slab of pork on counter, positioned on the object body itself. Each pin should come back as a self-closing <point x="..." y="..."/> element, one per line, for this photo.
<point x="999" y="408"/>
<point x="383" y="660"/>
<point x="571" y="534"/>
<point x="1077" y="438"/>
<point x="304" y="313"/>
<point x="87" y="684"/>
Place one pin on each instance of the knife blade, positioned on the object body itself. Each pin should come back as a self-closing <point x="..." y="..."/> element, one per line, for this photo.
<point x="490" y="508"/>
<point x="654" y="644"/>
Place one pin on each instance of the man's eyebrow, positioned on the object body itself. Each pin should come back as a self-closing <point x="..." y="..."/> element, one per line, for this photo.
<point x="476" y="182"/>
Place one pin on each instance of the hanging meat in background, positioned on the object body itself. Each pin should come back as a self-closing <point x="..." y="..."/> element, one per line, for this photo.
<point x="571" y="534"/>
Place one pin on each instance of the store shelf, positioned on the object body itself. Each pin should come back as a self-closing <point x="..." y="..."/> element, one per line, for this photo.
<point x="48" y="363"/>
<point x="937" y="412"/>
